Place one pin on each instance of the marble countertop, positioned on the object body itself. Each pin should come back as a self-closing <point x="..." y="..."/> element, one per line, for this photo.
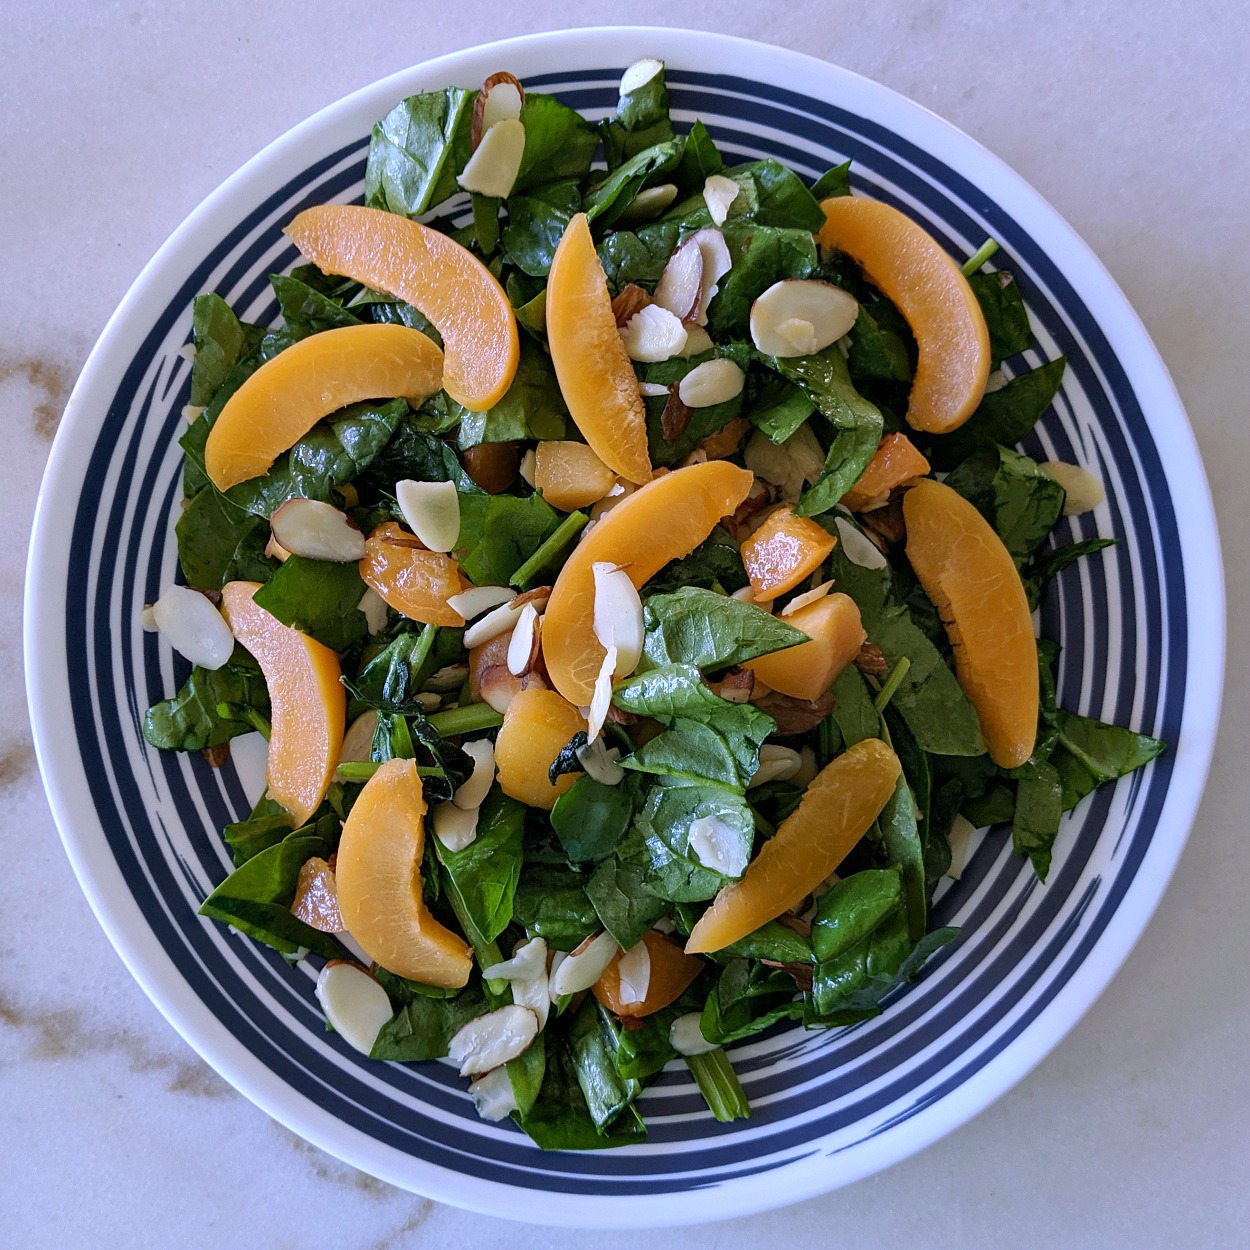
<point x="118" y="118"/>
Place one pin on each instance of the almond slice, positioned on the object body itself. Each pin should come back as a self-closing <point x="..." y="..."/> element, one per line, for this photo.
<point x="432" y="510"/>
<point x="500" y="620"/>
<point x="601" y="700"/>
<point x="681" y="282"/>
<point x="455" y="827"/>
<point x="525" y="470"/>
<point x="525" y="642"/>
<point x="358" y="740"/>
<point x="719" y="193"/>
<point x="808" y="596"/>
<point x="685" y="1035"/>
<point x="529" y="959"/>
<point x="193" y="626"/>
<point x="776" y="764"/>
<point x="858" y="547"/>
<point x="584" y="966"/>
<point x="473" y="791"/>
<point x="808" y="768"/>
<point x="717" y="262"/>
<point x="494" y="165"/>
<point x="448" y="678"/>
<point x="632" y="299"/>
<point x="493" y="1096"/>
<point x="478" y="599"/>
<point x="651" y="390"/>
<point x="375" y="610"/>
<point x="492" y="1039"/>
<point x="653" y="334"/>
<point x="717" y="846"/>
<point x="354" y="1003"/>
<point x="618" y="616"/>
<point x="648" y="203"/>
<point x="600" y="762"/>
<point x="1083" y="490"/>
<point x="712" y="382"/>
<point x="634" y="969"/>
<point x="317" y="531"/>
<point x="639" y="74"/>
<point x="799" y="316"/>
<point x="698" y="340"/>
<point x="961" y="837"/>
<point x="501" y="97"/>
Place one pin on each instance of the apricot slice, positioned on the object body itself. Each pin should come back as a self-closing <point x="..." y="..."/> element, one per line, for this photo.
<point x="308" y="705"/>
<point x="570" y="475"/>
<point x="808" y="670"/>
<point x="536" y="727"/>
<point x="895" y="463"/>
<point x="411" y="579"/>
<point x="446" y="283"/>
<point x="783" y="551"/>
<point x="672" y="970"/>
<point x="664" y="520"/>
<point x="289" y="394"/>
<point x="836" y="810"/>
<point x="316" y="900"/>
<point x="378" y="872"/>
<point x="924" y="283"/>
<point x="973" y="582"/>
<point x="592" y="366"/>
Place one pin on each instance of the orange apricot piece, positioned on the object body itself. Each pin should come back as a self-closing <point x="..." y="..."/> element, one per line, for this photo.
<point x="289" y="394"/>
<point x="316" y="900"/>
<point x="917" y="275"/>
<point x="570" y="475"/>
<point x="836" y="810"/>
<point x="662" y="521"/>
<point x="308" y="705"/>
<point x="895" y="463"/>
<point x="411" y="579"/>
<point x="378" y="872"/>
<point x="592" y="366"/>
<point x="808" y="670"/>
<point x="976" y="588"/>
<point x="536" y="727"/>
<point x="672" y="970"/>
<point x="783" y="551"/>
<point x="445" y="282"/>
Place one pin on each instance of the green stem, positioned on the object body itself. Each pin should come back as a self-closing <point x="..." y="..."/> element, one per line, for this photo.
<point x="718" y="1083"/>
<point x="530" y="573"/>
<point x="892" y="683"/>
<point x="233" y="711"/>
<point x="463" y="720"/>
<point x="362" y="770"/>
<point x="979" y="257"/>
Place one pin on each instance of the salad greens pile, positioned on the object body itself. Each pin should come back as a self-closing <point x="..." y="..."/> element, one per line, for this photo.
<point x="619" y="857"/>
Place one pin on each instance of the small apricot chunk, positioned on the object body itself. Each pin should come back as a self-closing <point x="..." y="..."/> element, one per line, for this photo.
<point x="411" y="579"/>
<point x="289" y="394"/>
<point x="308" y="705"/>
<point x="671" y="972"/>
<point x="316" y="900"/>
<point x="895" y="463"/>
<point x="975" y="586"/>
<point x="378" y="872"/>
<point x="917" y="275"/>
<point x="570" y="475"/>
<point x="836" y="810"/>
<point x="783" y="551"/>
<point x="536" y="727"/>
<point x="808" y="670"/>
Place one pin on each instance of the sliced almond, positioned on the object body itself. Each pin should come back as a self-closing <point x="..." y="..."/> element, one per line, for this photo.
<point x="799" y="316"/>
<point x="193" y="626"/>
<point x="358" y="740"/>
<point x="717" y="262"/>
<point x="650" y="202"/>
<point x="493" y="1097"/>
<point x="529" y="959"/>
<point x="639" y="74"/>
<point x="492" y="1039"/>
<point x="808" y="596"/>
<point x="478" y="599"/>
<point x="805" y="452"/>
<point x="498" y="687"/>
<point x="632" y="299"/>
<point x="712" y="382"/>
<point x="634" y="970"/>
<point x="317" y="531"/>
<point x="600" y="762"/>
<point x="538" y="597"/>
<point x="717" y="846"/>
<point x="622" y="490"/>
<point x="681" y="283"/>
<point x="455" y="827"/>
<point x="495" y="163"/>
<point x="500" y="620"/>
<point x="653" y="334"/>
<point x="375" y="610"/>
<point x="448" y="678"/>
<point x="808" y="768"/>
<point x="747" y="595"/>
<point x="963" y="841"/>
<point x="738" y="684"/>
<point x="526" y="641"/>
<point x="472" y="793"/>
<point x="776" y="764"/>
<point x="1084" y="491"/>
<point x="719" y="193"/>
<point x="618" y="616"/>
<point x="192" y="413"/>
<point x="534" y="993"/>
<point x="685" y="1035"/>
<point x="432" y="510"/>
<point x="147" y="618"/>
<point x="584" y="966"/>
<point x="501" y="97"/>
<point x="858" y="547"/>
<point x="354" y="1003"/>
<point x="698" y="341"/>
<point x="526" y="468"/>
<point x="601" y="700"/>
<point x="652" y="390"/>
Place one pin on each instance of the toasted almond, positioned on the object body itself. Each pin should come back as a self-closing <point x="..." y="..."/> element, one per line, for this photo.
<point x="538" y="597"/>
<point x="618" y="616"/>
<point x="791" y="715"/>
<point x="712" y="382"/>
<point x="719" y="193"/>
<point x="316" y="530"/>
<point x="600" y="762"/>
<point x="685" y="1035"/>
<point x="500" y="620"/>
<point x="717" y="262"/>
<point x="583" y="966"/>
<point x="776" y="764"/>
<point x="525" y="642"/>
<point x="432" y="510"/>
<point x="653" y="334"/>
<point x="455" y="827"/>
<point x="193" y="626"/>
<point x="857" y="546"/>
<point x="493" y="1096"/>
<point x="492" y="1039"/>
<point x="650" y="202"/>
<point x="496" y="161"/>
<point x="808" y="596"/>
<point x="634" y="970"/>
<point x="718" y="846"/>
<point x="478" y="599"/>
<point x="374" y="608"/>
<point x="501" y="97"/>
<point x="871" y="659"/>
<point x="1084" y="492"/>
<point x="799" y="316"/>
<point x="354" y="1003"/>
<point x="676" y="417"/>
<point x="632" y="299"/>
<point x="682" y="280"/>
<point x="448" y="678"/>
<point x="639" y="74"/>
<point x="472" y="793"/>
<point x="498" y="687"/>
<point x="358" y="740"/>
<point x="601" y="700"/>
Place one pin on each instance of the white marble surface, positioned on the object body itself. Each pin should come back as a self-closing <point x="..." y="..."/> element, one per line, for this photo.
<point x="117" y="118"/>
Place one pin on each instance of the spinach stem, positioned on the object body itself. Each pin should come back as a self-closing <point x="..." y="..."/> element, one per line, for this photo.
<point x="979" y="257"/>
<point x="528" y="575"/>
<point x="362" y="770"/>
<point x="892" y="683"/>
<point x="463" y="720"/>
<point x="233" y="711"/>
<point x="719" y="1085"/>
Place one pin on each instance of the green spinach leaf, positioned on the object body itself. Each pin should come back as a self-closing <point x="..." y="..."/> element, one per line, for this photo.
<point x="416" y="151"/>
<point x="498" y="533"/>
<point x="317" y="598"/>
<point x="1014" y="494"/>
<point x="710" y="631"/>
<point x="424" y="1026"/>
<point x="590" y="819"/>
<point x="532" y="408"/>
<point x="191" y="720"/>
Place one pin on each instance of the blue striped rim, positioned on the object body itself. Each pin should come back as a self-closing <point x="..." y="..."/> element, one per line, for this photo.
<point x="1022" y="943"/>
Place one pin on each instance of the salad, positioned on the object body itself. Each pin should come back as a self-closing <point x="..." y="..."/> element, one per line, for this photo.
<point x="576" y="540"/>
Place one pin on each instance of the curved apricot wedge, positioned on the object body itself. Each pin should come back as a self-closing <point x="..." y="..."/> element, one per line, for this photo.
<point x="536" y="727"/>
<point x="783" y="551"/>
<point x="671" y="971"/>
<point x="289" y="394"/>
<point x="411" y="579"/>
<point x="836" y="810"/>
<point x="665" y="520"/>
<point x="378" y="873"/>
<point x="308" y="705"/>
<point x="808" y="670"/>
<point x="924" y="283"/>
<point x="895" y="463"/>
<point x="592" y="366"/>
<point x="445" y="282"/>
<point x="570" y="475"/>
<point x="972" y="580"/>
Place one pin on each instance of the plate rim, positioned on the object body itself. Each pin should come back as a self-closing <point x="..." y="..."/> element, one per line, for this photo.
<point x="73" y="811"/>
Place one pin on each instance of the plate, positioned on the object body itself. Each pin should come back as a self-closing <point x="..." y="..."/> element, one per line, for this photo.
<point x="1142" y="629"/>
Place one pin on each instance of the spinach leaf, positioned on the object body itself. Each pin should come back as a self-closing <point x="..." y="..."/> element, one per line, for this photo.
<point x="769" y="196"/>
<point x="305" y="309"/>
<point x="855" y="906"/>
<point x="219" y="543"/>
<point x="498" y="533"/>
<point x="593" y="1044"/>
<point x="559" y="142"/>
<point x="900" y="839"/>
<point x="761" y="255"/>
<point x="771" y="941"/>
<point x="412" y="452"/>
<point x="392" y="677"/>
<point x="221" y="341"/>
<point x="779" y="408"/>
<point x="853" y="711"/>
<point x="266" y="826"/>
<point x="1035" y="818"/>
<point x="1004" y="416"/>
<point x="548" y="557"/>
<point x="703" y="421"/>
<point x="1090" y="752"/>
<point x="641" y="121"/>
<point x="709" y="630"/>
<point x="625" y="907"/>
<point x="191" y="720"/>
<point x="317" y="598"/>
<point x="403" y="990"/>
<point x="717" y="561"/>
<point x="551" y="903"/>
<point x="256" y="897"/>
<point x="833" y="182"/>
<point x="747" y="999"/>
<point x="1005" y="314"/>
<point x="877" y="352"/>
<point x="1014" y="494"/>
<point x="636" y="257"/>
<point x="590" y="819"/>
<point x="700" y="158"/>
<point x="607" y="201"/>
<point x="486" y="224"/>
<point x="424" y="1026"/>
<point x="532" y="408"/>
<point x="536" y="223"/>
<point x="1046" y="564"/>
<point x="416" y="151"/>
